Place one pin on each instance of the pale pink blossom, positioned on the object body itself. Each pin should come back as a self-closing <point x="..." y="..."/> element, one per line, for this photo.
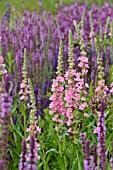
<point x="1" y="59"/>
<point x="96" y="130"/>
<point x="98" y="89"/>
<point x="1" y="121"/>
<point x="111" y="91"/>
<point x="85" y="115"/>
<point x="80" y="64"/>
<point x="22" y="97"/>
<point x="22" y="85"/>
<point x="54" y="119"/>
<point x="38" y="129"/>
<point x="86" y="85"/>
<point x="69" y="130"/>
<point x="83" y="106"/>
<point x="28" y="129"/>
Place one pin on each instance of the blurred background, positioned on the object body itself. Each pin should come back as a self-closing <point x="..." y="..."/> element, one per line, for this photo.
<point x="48" y="5"/>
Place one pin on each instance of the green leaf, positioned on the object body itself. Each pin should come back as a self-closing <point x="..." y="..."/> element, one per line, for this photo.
<point x="52" y="150"/>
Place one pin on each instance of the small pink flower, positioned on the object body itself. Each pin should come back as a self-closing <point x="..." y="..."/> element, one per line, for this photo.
<point x="28" y="129"/>
<point x="85" y="115"/>
<point x="22" y="97"/>
<point x="37" y="145"/>
<point x="1" y="59"/>
<point x="111" y="84"/>
<point x="1" y="121"/>
<point x="111" y="91"/>
<point x="72" y="137"/>
<point x="83" y="59"/>
<point x="56" y="128"/>
<point x="60" y="121"/>
<point x="68" y="123"/>
<point x="84" y="71"/>
<point x="38" y="129"/>
<point x="54" y="119"/>
<point x="82" y="106"/>
<point x="83" y="99"/>
<point x="96" y="130"/>
<point x="60" y="79"/>
<point x="28" y="138"/>
<point x="98" y="89"/>
<point x="80" y="64"/>
<point x="22" y="85"/>
<point x="69" y="130"/>
<point x="91" y="34"/>
<point x="86" y="85"/>
<point x="86" y="66"/>
<point x="101" y="83"/>
<point x="51" y="112"/>
<point x="27" y="92"/>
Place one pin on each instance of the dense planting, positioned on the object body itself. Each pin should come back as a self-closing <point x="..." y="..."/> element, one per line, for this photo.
<point x="56" y="89"/>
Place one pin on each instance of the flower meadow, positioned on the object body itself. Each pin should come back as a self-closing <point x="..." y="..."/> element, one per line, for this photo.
<point x="56" y="88"/>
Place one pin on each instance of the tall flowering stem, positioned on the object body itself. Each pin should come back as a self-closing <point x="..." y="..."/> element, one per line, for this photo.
<point x="57" y="105"/>
<point x="33" y="128"/>
<point x="5" y="108"/>
<point x="102" y="138"/>
<point x="70" y="53"/>
<point x="75" y="89"/>
<point x="33" y="118"/>
<point x="101" y="89"/>
<point x="60" y="60"/>
<point x="83" y="60"/>
<point x="85" y="151"/>
<point x="99" y="62"/>
<point x="2" y="73"/>
<point x="31" y="157"/>
<point x="24" y="85"/>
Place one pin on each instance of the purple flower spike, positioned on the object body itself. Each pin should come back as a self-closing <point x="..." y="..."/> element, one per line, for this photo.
<point x="86" y="151"/>
<point x="22" y="164"/>
<point x="101" y="138"/>
<point x="31" y="158"/>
